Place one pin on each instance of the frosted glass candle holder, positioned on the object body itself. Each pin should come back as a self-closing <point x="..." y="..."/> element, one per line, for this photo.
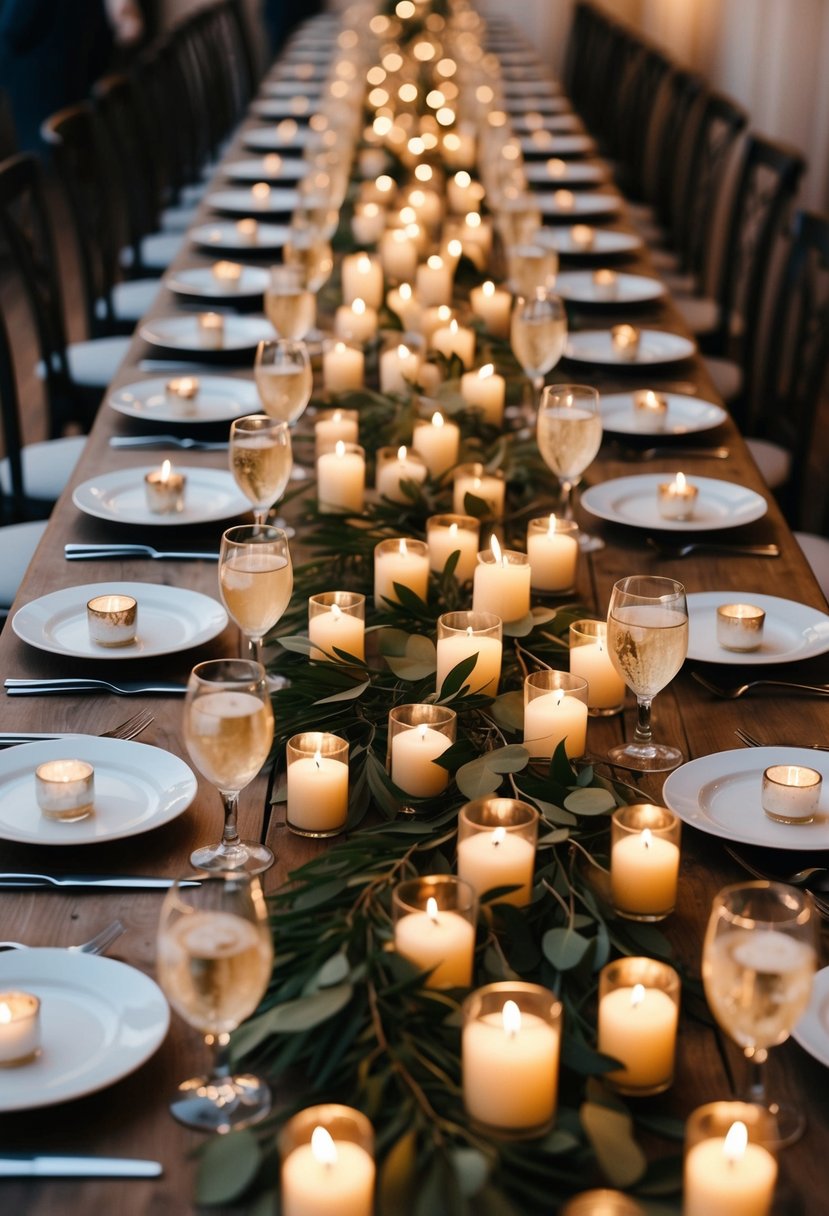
<point x="418" y="735"/>
<point x="434" y="928"/>
<point x="496" y="847"/>
<point x="317" y="770"/>
<point x="112" y="620"/>
<point x="644" y="861"/>
<point x="638" y="1017"/>
<point x="65" y="789"/>
<point x="740" y="627"/>
<point x="19" y="1028"/>
<point x="791" y="793"/>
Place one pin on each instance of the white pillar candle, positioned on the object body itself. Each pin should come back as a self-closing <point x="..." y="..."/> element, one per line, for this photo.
<point x="438" y="442"/>
<point x="553" y="551"/>
<point x="341" y="479"/>
<point x="493" y="305"/>
<point x="440" y="941"/>
<point x="644" y="869"/>
<point x="476" y="237"/>
<point x="393" y="469"/>
<point x="552" y="717"/>
<point x="362" y="278"/>
<point x="368" y="223"/>
<point x="336" y="629"/>
<point x="448" y="534"/>
<point x="328" y="1177"/>
<point x="498" y="858"/>
<point x="501" y="583"/>
<point x="485" y="390"/>
<point x="427" y="205"/>
<point x="486" y="673"/>
<point x="510" y="1069"/>
<point x="355" y="322"/>
<point x="335" y="426"/>
<point x="433" y="319"/>
<point x="591" y="661"/>
<point x="637" y="1026"/>
<point x="401" y="300"/>
<point x="486" y="486"/>
<point x="457" y="340"/>
<point x="343" y="367"/>
<point x="211" y="330"/>
<point x="413" y="753"/>
<point x="400" y="561"/>
<point x="19" y="1027"/>
<point x="433" y="283"/>
<point x="399" y="367"/>
<point x="462" y="198"/>
<point x="317" y="793"/>
<point x="727" y="1176"/>
<point x="398" y="254"/>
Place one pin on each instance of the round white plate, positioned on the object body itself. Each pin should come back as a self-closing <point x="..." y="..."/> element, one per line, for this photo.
<point x="275" y="109"/>
<point x="181" y="333"/>
<point x="685" y="414"/>
<point x="520" y="107"/>
<point x="222" y="236"/>
<point x="791" y="630"/>
<point x="220" y="399"/>
<point x="632" y="501"/>
<point x="272" y="139"/>
<point x="291" y="88"/>
<point x="242" y="202"/>
<point x="584" y="203"/>
<point x="655" y="346"/>
<point x="578" y="286"/>
<point x="137" y="787"/>
<point x="200" y="282"/>
<point x="812" y="1031"/>
<point x="606" y="242"/>
<point x="520" y="86"/>
<point x="720" y="794"/>
<point x="557" y="123"/>
<point x="210" y="494"/>
<point x="170" y="619"/>
<point x="100" y="1021"/>
<point x="273" y="168"/>
<point x="574" y="173"/>
<point x="544" y="143"/>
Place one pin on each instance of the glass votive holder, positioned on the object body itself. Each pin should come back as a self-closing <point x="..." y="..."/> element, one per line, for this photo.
<point x="112" y="620"/>
<point x="676" y="499"/>
<point x="211" y="330"/>
<point x="473" y="479"/>
<point x="334" y="426"/>
<point x="625" y="340"/>
<point x="418" y="735"/>
<point x="605" y="284"/>
<point x="400" y="362"/>
<point x="395" y="468"/>
<point x="403" y="561"/>
<point x="317" y="771"/>
<point x="501" y="584"/>
<point x="553" y="553"/>
<point x="510" y="1046"/>
<point x="19" y="1028"/>
<point x="460" y="635"/>
<point x="582" y="237"/>
<point x="791" y="793"/>
<point x="650" y="410"/>
<point x="740" y="627"/>
<point x="65" y="789"/>
<point x="555" y="709"/>
<point x="638" y="1017"/>
<point x="437" y="440"/>
<point x="181" y="395"/>
<point x="434" y="927"/>
<point x="496" y="847"/>
<point x="644" y="861"/>
<point x="728" y="1163"/>
<point x="247" y="232"/>
<point x="448" y="534"/>
<point x="337" y="621"/>
<point x="164" y="490"/>
<point x="589" y="658"/>
<point x="341" y="479"/>
<point x="602" y="1202"/>
<point x="227" y="275"/>
<point x="327" y="1157"/>
<point x="343" y="366"/>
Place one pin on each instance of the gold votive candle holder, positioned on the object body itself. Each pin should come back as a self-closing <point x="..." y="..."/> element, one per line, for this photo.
<point x="644" y="861"/>
<point x="181" y="395"/>
<point x="327" y="1157"/>
<point x="112" y="620"/>
<point x="676" y="499"/>
<point x="740" y="627"/>
<point x="19" y="1028"/>
<point x="211" y="330"/>
<point x="638" y="1018"/>
<point x="626" y="340"/>
<point x="65" y="789"/>
<point x="164" y="490"/>
<point x="337" y="621"/>
<point x="791" y="793"/>
<point x="434" y="928"/>
<point x="497" y="840"/>
<point x="590" y="659"/>
<point x="317" y="776"/>
<point x="729" y="1166"/>
<point x="418" y="735"/>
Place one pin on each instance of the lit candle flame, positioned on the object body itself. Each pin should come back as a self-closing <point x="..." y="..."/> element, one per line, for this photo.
<point x="437" y="418"/>
<point x="486" y="371"/>
<point x="401" y="548"/>
<point x="488" y="289"/>
<point x="166" y="470"/>
<point x="497" y="555"/>
<point x="434" y="262"/>
<point x="462" y="179"/>
<point x="453" y="530"/>
<point x="551" y="526"/>
<point x="498" y="837"/>
<point x="637" y="996"/>
<point x="5" y="1013"/>
<point x="336" y="611"/>
<point x="453" y="326"/>
<point x="318" y="758"/>
<point x="736" y="1139"/>
<point x="401" y="451"/>
<point x="432" y="909"/>
<point x="421" y="730"/>
<point x="363" y="264"/>
<point x="339" y="448"/>
<point x="403" y="352"/>
<point x="323" y="1148"/>
<point x="359" y="307"/>
<point x="455" y="248"/>
<point x="405" y="291"/>
<point x="511" y="1017"/>
<point x="679" y="484"/>
<point x="473" y="220"/>
<point x="646" y="838"/>
<point x="469" y="631"/>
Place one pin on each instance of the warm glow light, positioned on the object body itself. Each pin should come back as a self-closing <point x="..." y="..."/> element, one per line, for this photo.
<point x="401" y="451"/>
<point x="637" y="996"/>
<point x="736" y="1140"/>
<point x="646" y="838"/>
<point x="486" y="371"/>
<point x="401" y="548"/>
<point x="339" y="448"/>
<point x="499" y="558"/>
<point x="437" y="419"/>
<point x="5" y="1013"/>
<point x="323" y="1148"/>
<point x="511" y="1018"/>
<point x="432" y="909"/>
<point x="498" y="837"/>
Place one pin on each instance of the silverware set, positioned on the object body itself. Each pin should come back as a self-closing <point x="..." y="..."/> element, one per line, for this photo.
<point x="669" y="551"/>
<point x="168" y="441"/>
<point x="99" y="944"/>
<point x="126" y="688"/>
<point x="753" y="741"/>
<point x="92" y="882"/>
<point x="668" y="453"/>
<point x="79" y="552"/>
<point x="128" y="729"/>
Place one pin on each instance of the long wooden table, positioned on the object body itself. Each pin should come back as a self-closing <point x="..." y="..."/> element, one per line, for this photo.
<point x="131" y="1118"/>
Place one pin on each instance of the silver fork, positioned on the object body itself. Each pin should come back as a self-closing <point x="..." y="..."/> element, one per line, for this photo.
<point x="78" y="552"/>
<point x="798" y="878"/>
<point x="98" y="944"/>
<point x="668" y="453"/>
<point x="753" y="741"/>
<point x="29" y="688"/>
<point x="168" y="441"/>
<point x="125" y="730"/>
<point x="739" y="690"/>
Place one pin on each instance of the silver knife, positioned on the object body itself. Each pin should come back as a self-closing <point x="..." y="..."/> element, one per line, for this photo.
<point x="168" y="441"/>
<point x="39" y="1165"/>
<point x="12" y="738"/>
<point x="116" y="882"/>
<point x="24" y="688"/>
<point x="78" y="552"/>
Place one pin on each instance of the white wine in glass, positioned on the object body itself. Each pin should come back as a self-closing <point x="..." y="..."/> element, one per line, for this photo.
<point x="261" y="459"/>
<point x="758" y="963"/>
<point x="290" y="305"/>
<point x="215" y="958"/>
<point x="308" y="251"/>
<point x="256" y="579"/>
<point x="282" y="371"/>
<point x="538" y="334"/>
<point x="228" y="729"/>
<point x="569" y="435"/>
<point x="647" y="640"/>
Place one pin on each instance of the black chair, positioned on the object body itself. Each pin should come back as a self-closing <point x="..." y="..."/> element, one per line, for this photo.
<point x="636" y="110"/>
<point x="8" y="135"/>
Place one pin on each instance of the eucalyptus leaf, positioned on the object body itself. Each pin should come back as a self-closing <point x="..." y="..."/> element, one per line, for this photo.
<point x="611" y="1134"/>
<point x="227" y="1167"/>
<point x="519" y="628"/>
<point x="397" y="1175"/>
<point x="418" y="661"/>
<point x="333" y="971"/>
<point x="347" y="694"/>
<point x="297" y="644"/>
<point x="564" y="948"/>
<point x="508" y="711"/>
<point x="589" y="802"/>
<point x="291" y="1017"/>
<point x="555" y="814"/>
<point x="471" y="1170"/>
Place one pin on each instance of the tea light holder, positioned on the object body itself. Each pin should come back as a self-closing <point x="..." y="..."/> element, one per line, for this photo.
<point x="555" y="709"/>
<point x="337" y="619"/>
<point x="605" y="284"/>
<point x="332" y="426"/>
<point x="343" y="366"/>
<point x="395" y="467"/>
<point x="402" y="561"/>
<point x="484" y="390"/>
<point x="317" y="776"/>
<point x="211" y="330"/>
<point x="341" y="479"/>
<point x="501" y="583"/>
<point x="564" y="200"/>
<point x="164" y="490"/>
<point x="553" y="553"/>
<point x="473" y="479"/>
<point x="650" y="410"/>
<point x="582" y="237"/>
<point x="228" y="274"/>
<point x="19" y="1028"/>
<point x="65" y="789"/>
<point x="644" y="861"/>
<point x="418" y="735"/>
<point x="460" y="635"/>
<point x="740" y="627"/>
<point x="438" y="441"/>
<point x="260" y="193"/>
<point x="626" y="340"/>
<point x="497" y="840"/>
<point x="728" y="1163"/>
<point x="434" y="927"/>
<point x="676" y="499"/>
<point x="590" y="659"/>
<point x="247" y="232"/>
<point x="602" y="1202"/>
<point x="181" y="395"/>
<point x="327" y="1157"/>
<point x="638" y="1017"/>
<point x="510" y="1046"/>
<point x="791" y="793"/>
<point x="112" y="620"/>
<point x="448" y="534"/>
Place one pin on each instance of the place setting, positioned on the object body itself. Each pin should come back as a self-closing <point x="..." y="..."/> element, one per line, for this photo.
<point x="248" y="237"/>
<point x="272" y="168"/>
<point x="568" y="173"/>
<point x="286" y="136"/>
<point x="665" y="503"/>
<point x="653" y="412"/>
<point x="162" y="496"/>
<point x="187" y="399"/>
<point x="213" y="336"/>
<point x="583" y="241"/>
<point x="608" y="288"/>
<point x="565" y="206"/>
<point x="752" y="628"/>
<point x="260" y="199"/>
<point x="226" y="283"/>
<point x="628" y="346"/>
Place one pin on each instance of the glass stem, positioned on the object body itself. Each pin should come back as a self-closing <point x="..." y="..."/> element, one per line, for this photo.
<point x="219" y="1048"/>
<point x="566" y="498"/>
<point x="757" y="1057"/>
<point x="643" y="733"/>
<point x="230" y="832"/>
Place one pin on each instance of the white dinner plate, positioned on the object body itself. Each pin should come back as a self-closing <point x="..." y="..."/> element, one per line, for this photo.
<point x="100" y="1020"/>
<point x="685" y="414"/>
<point x="273" y="168"/>
<point x="655" y="346"/>
<point x="518" y="106"/>
<point x="632" y="501"/>
<point x="200" y="282"/>
<point x="579" y="287"/>
<point x="791" y="631"/>
<point x="544" y="143"/>
<point x="170" y="619"/>
<point x="812" y="1031"/>
<point x="219" y="399"/>
<point x="292" y="88"/>
<point x="565" y="173"/>
<point x="223" y="236"/>
<point x="721" y="794"/>
<point x="557" y="123"/>
<point x="606" y="242"/>
<point x="578" y="205"/>
<point x="240" y="201"/>
<point x="275" y="109"/>
<point x="137" y="788"/>
<point x="181" y="333"/>
<point x="287" y="134"/>
<point x="210" y="494"/>
<point x="520" y="86"/>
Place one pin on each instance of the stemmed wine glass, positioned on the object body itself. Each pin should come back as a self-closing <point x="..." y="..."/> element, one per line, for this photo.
<point x="290" y="305"/>
<point x="538" y="333"/>
<point x="569" y="433"/>
<point x="758" y="960"/>
<point x="261" y="459"/>
<point x="228" y="729"/>
<point x="256" y="579"/>
<point x="647" y="640"/>
<point x="215" y="957"/>
<point x="282" y="371"/>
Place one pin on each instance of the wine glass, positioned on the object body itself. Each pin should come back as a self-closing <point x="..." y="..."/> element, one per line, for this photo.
<point x="531" y="266"/>
<point x="228" y="729"/>
<point x="215" y="957"/>
<point x="647" y="640"/>
<point x="758" y="960"/>
<point x="260" y="460"/>
<point x="256" y="579"/>
<point x="538" y="333"/>
<point x="290" y="305"/>
<point x="282" y="371"/>
<point x="308" y="251"/>
<point x="569" y="434"/>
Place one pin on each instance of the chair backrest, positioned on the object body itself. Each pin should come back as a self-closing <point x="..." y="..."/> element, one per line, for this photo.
<point x="12" y="505"/>
<point x="8" y="135"/>
<point x="637" y="111"/>
<point x="132" y="169"/>
<point x="671" y="142"/>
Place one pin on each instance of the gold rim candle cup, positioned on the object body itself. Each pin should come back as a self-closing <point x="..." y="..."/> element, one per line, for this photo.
<point x="463" y="634"/>
<point x="590" y="659"/>
<point x="164" y="490"/>
<point x="317" y="773"/>
<point x="434" y="928"/>
<point x="211" y="330"/>
<point x="740" y="627"/>
<point x="335" y="426"/>
<point x="327" y="1157"/>
<point x="418" y="735"/>
<point x="602" y="1202"/>
<point x="65" y="789"/>
<point x="553" y="552"/>
<point x="555" y="709"/>
<point x="337" y="619"/>
<point x="448" y="534"/>
<point x="341" y="479"/>
<point x="474" y="479"/>
<point x="728" y="1163"/>
<point x="625" y="340"/>
<point x="19" y="1028"/>
<point x="501" y="584"/>
<point x="638" y="1017"/>
<point x="343" y="368"/>
<point x="510" y="1046"/>
<point x="112" y="620"/>
<point x="395" y="467"/>
<point x="181" y="394"/>
<point x="676" y="499"/>
<point x="644" y="861"/>
<point x="650" y="410"/>
<point x="791" y="793"/>
<point x="497" y="840"/>
<point x="400" y="560"/>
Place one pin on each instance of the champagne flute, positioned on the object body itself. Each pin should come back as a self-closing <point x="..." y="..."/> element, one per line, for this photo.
<point x="228" y="729"/>
<point x="256" y="579"/>
<point x="282" y="371"/>
<point x="308" y="251"/>
<point x="758" y="960"/>
<point x="569" y="434"/>
<point x="290" y="305"/>
<point x="260" y="460"/>
<point x="538" y="333"/>
<point x="647" y="640"/>
<point x="215" y="957"/>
